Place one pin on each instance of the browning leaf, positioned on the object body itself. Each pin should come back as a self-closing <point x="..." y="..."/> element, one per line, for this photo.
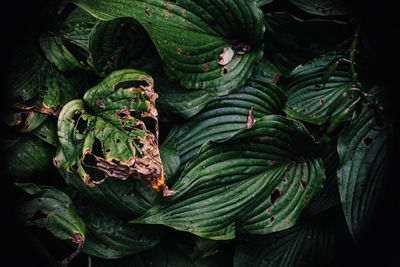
<point x="107" y="132"/>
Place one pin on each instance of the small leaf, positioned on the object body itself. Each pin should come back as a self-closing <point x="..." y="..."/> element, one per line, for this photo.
<point x="52" y="209"/>
<point x="57" y="212"/>
<point x="258" y="181"/>
<point x="363" y="166"/>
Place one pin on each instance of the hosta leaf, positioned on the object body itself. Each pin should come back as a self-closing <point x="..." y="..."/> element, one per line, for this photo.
<point x="321" y="90"/>
<point x="131" y="196"/>
<point x="77" y="27"/>
<point x="54" y="210"/>
<point x="261" y="3"/>
<point x="363" y="165"/>
<point x="190" y="37"/>
<point x="224" y="116"/>
<point x="110" y="236"/>
<point x="28" y="157"/>
<point x="310" y="242"/>
<point x="290" y="41"/>
<point x="119" y="44"/>
<point x="47" y="131"/>
<point x="106" y="131"/>
<point x="329" y="195"/>
<point x="177" y="100"/>
<point x="58" y="54"/>
<point x="170" y="160"/>
<point x="324" y="7"/>
<point x="258" y="181"/>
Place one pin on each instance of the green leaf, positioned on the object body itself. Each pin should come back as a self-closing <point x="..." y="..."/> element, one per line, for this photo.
<point x="52" y="209"/>
<point x="321" y="90"/>
<point x="180" y="101"/>
<point x="290" y="41"/>
<point x="110" y="236"/>
<point x="47" y="131"/>
<point x="329" y="195"/>
<point x="224" y="116"/>
<point x="362" y="149"/>
<point x="310" y="242"/>
<point x="324" y="7"/>
<point x="119" y="44"/>
<point x="131" y="196"/>
<point x="261" y="3"/>
<point x="258" y="181"/>
<point x="77" y="27"/>
<point x="170" y="160"/>
<point x="58" y="54"/>
<point x="191" y="36"/>
<point x="266" y="72"/>
<point x="28" y="157"/>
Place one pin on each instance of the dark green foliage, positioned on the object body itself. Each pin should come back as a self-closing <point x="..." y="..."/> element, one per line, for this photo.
<point x="198" y="133"/>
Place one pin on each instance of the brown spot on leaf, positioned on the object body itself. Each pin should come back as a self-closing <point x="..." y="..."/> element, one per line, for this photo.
<point x="322" y="101"/>
<point x="250" y="118"/>
<point x="100" y="102"/>
<point x="205" y="67"/>
<point x="276" y="78"/>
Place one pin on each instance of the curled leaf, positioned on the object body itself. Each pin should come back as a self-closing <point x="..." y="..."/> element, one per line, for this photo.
<point x="106" y="131"/>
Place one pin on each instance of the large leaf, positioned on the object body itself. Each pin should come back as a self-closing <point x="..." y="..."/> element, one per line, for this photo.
<point x="258" y="181"/>
<point x="290" y="41"/>
<point x="224" y="116"/>
<point x="310" y="242"/>
<point x="54" y="210"/>
<point x="106" y="131"/>
<point x="324" y="7"/>
<point x="363" y="165"/>
<point x="321" y="90"/>
<point x="28" y="157"/>
<point x="190" y="37"/>
<point x="110" y="236"/>
<point x="119" y="44"/>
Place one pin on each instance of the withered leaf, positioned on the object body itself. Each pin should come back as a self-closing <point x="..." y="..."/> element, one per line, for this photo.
<point x="106" y="131"/>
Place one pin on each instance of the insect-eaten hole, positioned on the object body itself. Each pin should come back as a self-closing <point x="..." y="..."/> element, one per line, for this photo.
<point x="225" y="70"/>
<point x="38" y="215"/>
<point x="272" y="219"/>
<point x="117" y="141"/>
<point x="367" y="141"/>
<point x="80" y="124"/>
<point x="303" y="184"/>
<point x="275" y="195"/>
<point x="130" y="84"/>
<point x="97" y="148"/>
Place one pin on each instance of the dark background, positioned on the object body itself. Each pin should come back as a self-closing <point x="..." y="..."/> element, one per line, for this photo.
<point x="380" y="247"/>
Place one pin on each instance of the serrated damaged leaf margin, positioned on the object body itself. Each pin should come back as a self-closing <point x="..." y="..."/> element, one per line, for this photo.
<point x="106" y="131"/>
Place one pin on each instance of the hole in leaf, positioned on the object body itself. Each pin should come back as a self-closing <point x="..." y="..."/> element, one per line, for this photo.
<point x="43" y="136"/>
<point x="275" y="195"/>
<point x="322" y="101"/>
<point x="224" y="71"/>
<point x="303" y="184"/>
<point x="272" y="219"/>
<point x="117" y="141"/>
<point x="367" y="141"/>
<point x="130" y="84"/>
<point x="97" y="148"/>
